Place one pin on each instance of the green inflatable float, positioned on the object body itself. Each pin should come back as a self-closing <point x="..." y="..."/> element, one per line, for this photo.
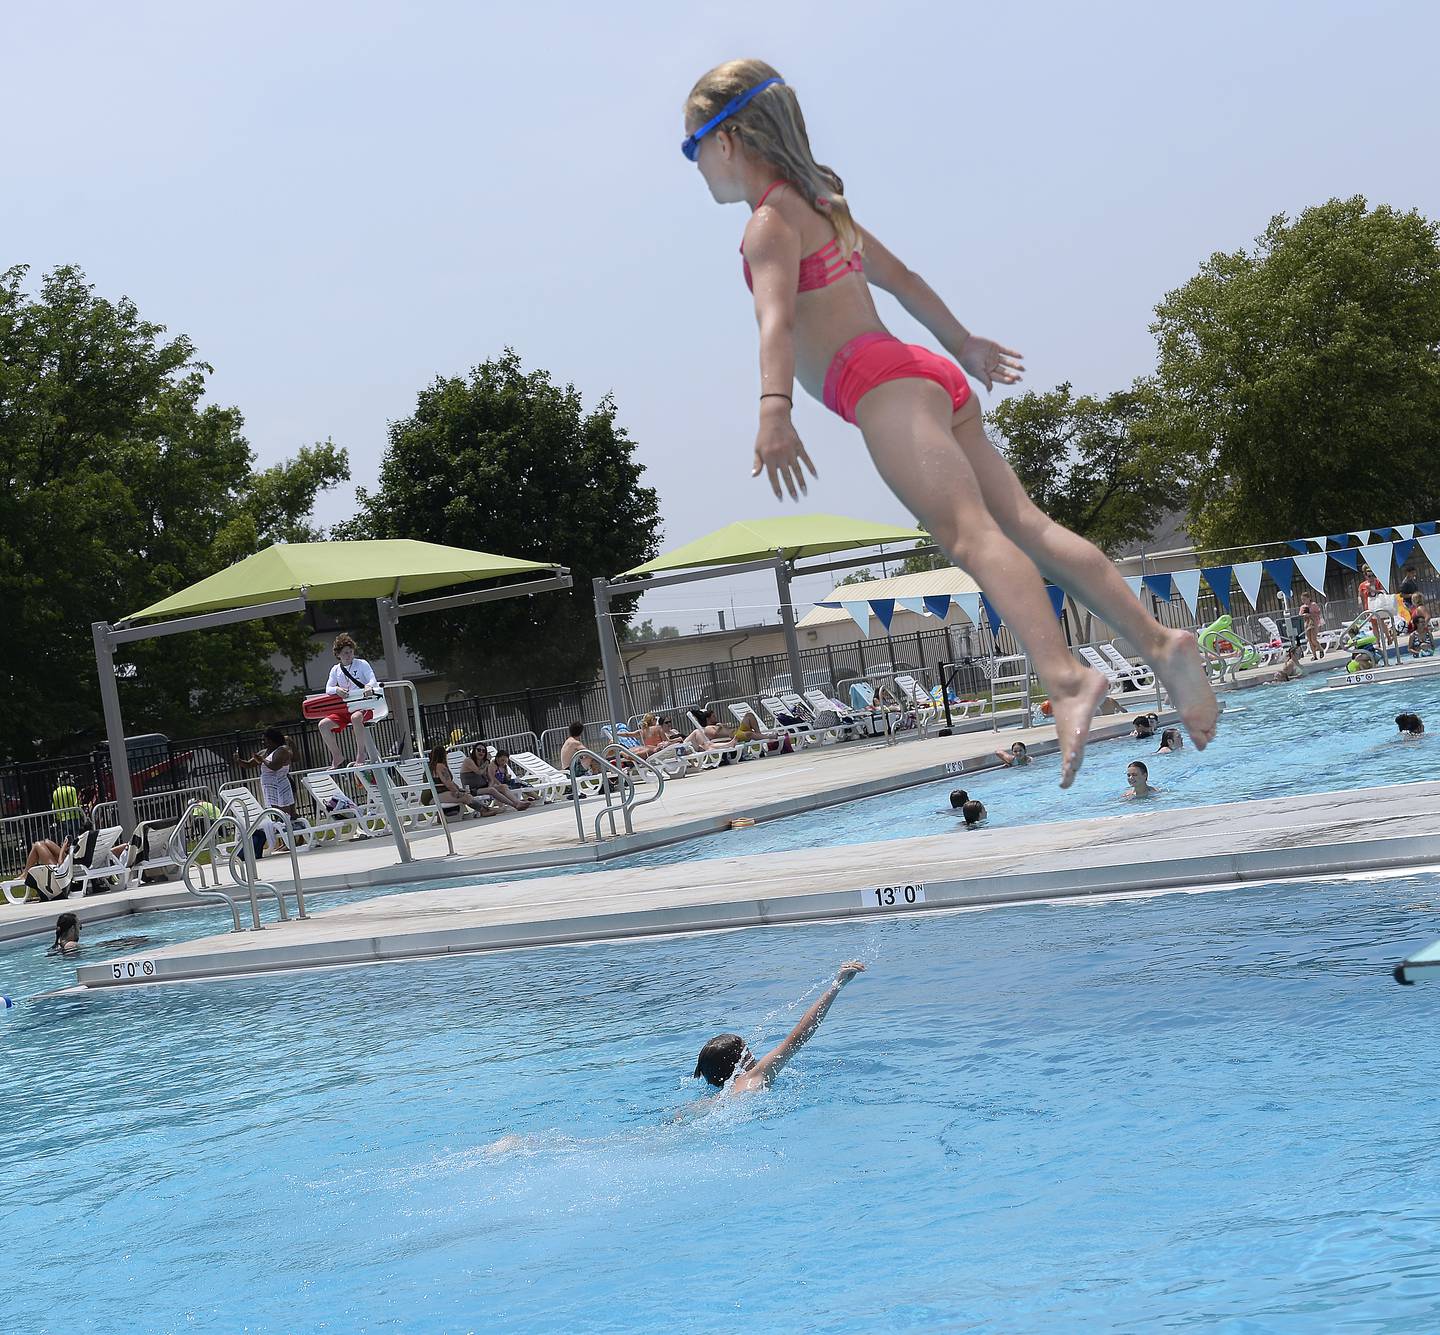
<point x="1220" y="639"/>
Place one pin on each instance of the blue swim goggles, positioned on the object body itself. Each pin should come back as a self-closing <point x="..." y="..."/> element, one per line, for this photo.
<point x="691" y="147"/>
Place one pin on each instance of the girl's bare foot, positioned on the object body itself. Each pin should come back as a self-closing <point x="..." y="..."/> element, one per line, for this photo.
<point x="1183" y="674"/>
<point x="1074" y="705"/>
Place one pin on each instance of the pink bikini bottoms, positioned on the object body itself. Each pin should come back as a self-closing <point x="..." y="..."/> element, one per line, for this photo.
<point x="875" y="358"/>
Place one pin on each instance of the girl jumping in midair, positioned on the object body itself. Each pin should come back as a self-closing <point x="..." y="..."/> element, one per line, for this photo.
<point x="807" y="262"/>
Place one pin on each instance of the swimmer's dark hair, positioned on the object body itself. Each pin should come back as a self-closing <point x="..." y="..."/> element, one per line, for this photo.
<point x="1141" y="766"/>
<point x="63" y="925"/>
<point x="719" y="1058"/>
<point x="1409" y="723"/>
<point x="973" y="811"/>
<point x="958" y="798"/>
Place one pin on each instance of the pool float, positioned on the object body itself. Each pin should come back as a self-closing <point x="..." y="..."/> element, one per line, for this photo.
<point x="1219" y="638"/>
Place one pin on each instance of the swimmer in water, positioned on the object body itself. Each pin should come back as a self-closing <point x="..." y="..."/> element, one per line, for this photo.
<point x="67" y="935"/>
<point x="725" y="1055"/>
<point x="963" y="805"/>
<point x="1018" y="754"/>
<point x="1138" y="777"/>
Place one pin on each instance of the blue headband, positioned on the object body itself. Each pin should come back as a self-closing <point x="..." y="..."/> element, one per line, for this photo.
<point x="691" y="147"/>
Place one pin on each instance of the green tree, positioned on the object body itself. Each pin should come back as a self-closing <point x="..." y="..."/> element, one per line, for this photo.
<point x="122" y="486"/>
<point x="646" y="631"/>
<point x="509" y="462"/>
<point x="861" y="576"/>
<point x="1301" y="378"/>
<point x="915" y="565"/>
<point x="1091" y="464"/>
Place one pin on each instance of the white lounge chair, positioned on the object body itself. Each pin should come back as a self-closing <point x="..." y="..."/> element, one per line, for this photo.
<point x="916" y="698"/>
<point x="842" y="730"/>
<point x="338" y="815"/>
<point x="103" y="863"/>
<point x="1140" y="675"/>
<point x="250" y="808"/>
<point x="1093" y="658"/>
<point x="553" y="781"/>
<point x="800" y="731"/>
<point x="49" y="881"/>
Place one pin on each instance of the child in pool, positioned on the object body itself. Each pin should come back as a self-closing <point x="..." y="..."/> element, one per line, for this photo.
<point x="1018" y="754"/>
<point x="725" y="1054"/>
<point x="1137" y="775"/>
<point x="922" y="425"/>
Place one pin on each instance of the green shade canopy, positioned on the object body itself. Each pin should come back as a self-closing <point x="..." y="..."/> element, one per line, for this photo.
<point x="793" y="536"/>
<point x="380" y="568"/>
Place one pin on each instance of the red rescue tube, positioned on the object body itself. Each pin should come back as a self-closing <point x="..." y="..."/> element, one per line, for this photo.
<point x="329" y="706"/>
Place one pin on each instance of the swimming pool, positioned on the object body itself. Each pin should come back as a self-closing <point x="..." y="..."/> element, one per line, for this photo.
<point x="1273" y="742"/>
<point x="1181" y="1109"/>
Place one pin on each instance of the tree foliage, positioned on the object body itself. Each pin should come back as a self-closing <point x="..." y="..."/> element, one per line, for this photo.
<point x="646" y="631"/>
<point x="510" y="463"/>
<point x="1301" y="378"/>
<point x="1091" y="464"/>
<point x="122" y="486"/>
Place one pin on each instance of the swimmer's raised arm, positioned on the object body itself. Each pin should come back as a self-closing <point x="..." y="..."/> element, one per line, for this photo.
<point x="985" y="359"/>
<point x="768" y="1067"/>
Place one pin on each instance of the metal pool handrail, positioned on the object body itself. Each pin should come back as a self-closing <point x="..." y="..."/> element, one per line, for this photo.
<point x="625" y="788"/>
<point x="243" y="870"/>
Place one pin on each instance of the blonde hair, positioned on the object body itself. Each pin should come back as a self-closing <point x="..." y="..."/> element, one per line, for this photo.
<point x="771" y="126"/>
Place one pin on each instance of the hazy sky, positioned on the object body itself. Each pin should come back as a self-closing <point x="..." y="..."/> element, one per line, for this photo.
<point x="339" y="202"/>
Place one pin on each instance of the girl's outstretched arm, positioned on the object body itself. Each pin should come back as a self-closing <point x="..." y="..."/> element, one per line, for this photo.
<point x="768" y="1067"/>
<point x="772" y="249"/>
<point x="983" y="358"/>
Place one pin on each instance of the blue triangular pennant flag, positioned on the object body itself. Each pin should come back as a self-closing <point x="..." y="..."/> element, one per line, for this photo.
<point x="1312" y="570"/>
<point x="1057" y="598"/>
<point x="1300" y="545"/>
<point x="969" y="603"/>
<point x="1340" y="539"/>
<point x="1349" y="558"/>
<point x="1218" y="578"/>
<point x="859" y="613"/>
<point x="1427" y="528"/>
<point x="937" y="604"/>
<point x="991" y="615"/>
<point x="1403" y="549"/>
<point x="1248" y="575"/>
<point x="1187" y="583"/>
<point x="1132" y="582"/>
<point x="1162" y="586"/>
<point x="1406" y="531"/>
<point x="917" y="605"/>
<point x="884" y="610"/>
<point x="1282" y="571"/>
<point x="1430" y="545"/>
<point x="1377" y="557"/>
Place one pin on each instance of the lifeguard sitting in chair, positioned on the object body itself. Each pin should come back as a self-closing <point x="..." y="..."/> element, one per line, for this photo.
<point x="353" y="697"/>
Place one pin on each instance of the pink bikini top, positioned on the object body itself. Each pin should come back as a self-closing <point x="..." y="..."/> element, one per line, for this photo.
<point x="819" y="269"/>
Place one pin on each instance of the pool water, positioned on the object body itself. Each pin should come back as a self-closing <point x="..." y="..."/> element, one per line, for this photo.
<point x="1277" y="741"/>
<point x="1204" y="1110"/>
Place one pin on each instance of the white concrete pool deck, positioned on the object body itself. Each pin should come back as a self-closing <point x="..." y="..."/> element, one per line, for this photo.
<point x="1257" y="841"/>
<point x="546" y="837"/>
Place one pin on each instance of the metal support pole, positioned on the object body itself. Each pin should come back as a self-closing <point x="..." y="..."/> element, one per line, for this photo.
<point x="787" y="619"/>
<point x="114" y="724"/>
<point x="390" y="643"/>
<point x="609" y="653"/>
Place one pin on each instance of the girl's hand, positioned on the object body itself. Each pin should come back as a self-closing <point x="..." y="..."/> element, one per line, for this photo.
<point x="779" y="452"/>
<point x="848" y="970"/>
<point x="990" y="363"/>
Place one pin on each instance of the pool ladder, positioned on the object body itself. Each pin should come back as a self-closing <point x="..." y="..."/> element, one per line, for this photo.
<point x="620" y="791"/>
<point x="234" y="824"/>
